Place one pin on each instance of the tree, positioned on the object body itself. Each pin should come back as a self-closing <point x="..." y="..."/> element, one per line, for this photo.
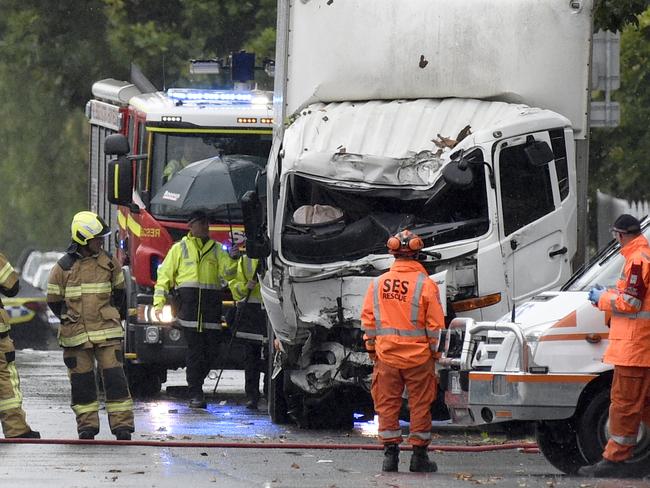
<point x="619" y="160"/>
<point x="50" y="55"/>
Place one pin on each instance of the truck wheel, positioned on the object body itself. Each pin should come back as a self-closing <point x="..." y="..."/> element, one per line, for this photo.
<point x="144" y="382"/>
<point x="277" y="401"/>
<point x="330" y="412"/>
<point x="558" y="442"/>
<point x="593" y="434"/>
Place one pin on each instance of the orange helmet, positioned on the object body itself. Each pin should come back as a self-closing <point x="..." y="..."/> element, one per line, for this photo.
<point x="404" y="243"/>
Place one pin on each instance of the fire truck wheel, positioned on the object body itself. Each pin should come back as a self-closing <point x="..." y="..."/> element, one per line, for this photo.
<point x="593" y="434"/>
<point x="558" y="442"/>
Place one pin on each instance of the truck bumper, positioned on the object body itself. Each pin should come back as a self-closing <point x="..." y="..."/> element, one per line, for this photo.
<point x="152" y="344"/>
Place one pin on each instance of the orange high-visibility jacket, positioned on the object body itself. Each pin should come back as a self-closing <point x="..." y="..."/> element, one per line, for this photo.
<point x="629" y="305"/>
<point x="402" y="316"/>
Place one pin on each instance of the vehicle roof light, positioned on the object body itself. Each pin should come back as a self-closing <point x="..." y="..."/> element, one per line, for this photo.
<point x="185" y="96"/>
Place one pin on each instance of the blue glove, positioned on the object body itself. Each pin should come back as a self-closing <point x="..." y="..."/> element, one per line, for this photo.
<point x="594" y="294"/>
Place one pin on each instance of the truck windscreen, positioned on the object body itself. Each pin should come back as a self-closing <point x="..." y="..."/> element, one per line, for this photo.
<point x="350" y="223"/>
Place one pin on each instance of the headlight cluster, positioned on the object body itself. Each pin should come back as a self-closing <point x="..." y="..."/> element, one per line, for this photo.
<point x="147" y="314"/>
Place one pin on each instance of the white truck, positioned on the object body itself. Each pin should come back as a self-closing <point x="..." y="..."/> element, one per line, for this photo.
<point x="543" y="365"/>
<point x="462" y="121"/>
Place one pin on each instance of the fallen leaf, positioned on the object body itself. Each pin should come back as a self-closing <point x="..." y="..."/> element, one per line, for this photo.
<point x="423" y="62"/>
<point x="114" y="470"/>
<point x="295" y="466"/>
<point x="204" y="454"/>
<point x="464" y="476"/>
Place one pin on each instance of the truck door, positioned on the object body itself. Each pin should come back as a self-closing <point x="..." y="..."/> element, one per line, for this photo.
<point x="534" y="217"/>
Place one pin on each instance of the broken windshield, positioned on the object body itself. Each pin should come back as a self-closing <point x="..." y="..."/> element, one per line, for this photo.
<point x="325" y="222"/>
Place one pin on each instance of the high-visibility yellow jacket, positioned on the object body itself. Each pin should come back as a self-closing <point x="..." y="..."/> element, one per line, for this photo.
<point x="80" y="288"/>
<point x="198" y="272"/>
<point x="239" y="284"/>
<point x="402" y="316"/>
<point x="629" y="305"/>
<point x="8" y="279"/>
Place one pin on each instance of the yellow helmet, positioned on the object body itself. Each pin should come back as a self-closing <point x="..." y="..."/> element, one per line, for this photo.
<point x="87" y="225"/>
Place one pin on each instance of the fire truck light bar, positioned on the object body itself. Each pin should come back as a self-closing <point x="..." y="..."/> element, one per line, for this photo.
<point x="209" y="96"/>
<point x="246" y="120"/>
<point x="266" y="120"/>
<point x="171" y="118"/>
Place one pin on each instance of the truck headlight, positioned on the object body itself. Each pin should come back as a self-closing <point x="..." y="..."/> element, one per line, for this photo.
<point x="147" y="314"/>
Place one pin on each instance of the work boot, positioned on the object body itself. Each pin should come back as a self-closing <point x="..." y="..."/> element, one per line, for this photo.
<point x="604" y="469"/>
<point x="420" y="462"/>
<point x="198" y="402"/>
<point x="122" y="435"/>
<point x="30" y="434"/>
<point x="87" y="434"/>
<point x="251" y="404"/>
<point x="391" y="458"/>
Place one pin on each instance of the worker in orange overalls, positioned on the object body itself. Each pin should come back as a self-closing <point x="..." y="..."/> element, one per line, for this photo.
<point x="402" y="318"/>
<point x="628" y="350"/>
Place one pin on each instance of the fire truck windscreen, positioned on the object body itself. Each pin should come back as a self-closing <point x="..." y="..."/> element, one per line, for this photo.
<point x="172" y="152"/>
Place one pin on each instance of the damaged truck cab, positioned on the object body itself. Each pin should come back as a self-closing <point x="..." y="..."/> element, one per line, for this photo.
<point x="378" y="130"/>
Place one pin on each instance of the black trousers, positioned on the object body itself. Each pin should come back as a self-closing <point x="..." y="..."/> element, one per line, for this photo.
<point x="251" y="328"/>
<point x="201" y="354"/>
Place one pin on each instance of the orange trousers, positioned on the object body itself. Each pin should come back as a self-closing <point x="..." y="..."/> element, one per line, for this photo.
<point x="387" y="387"/>
<point x="630" y="406"/>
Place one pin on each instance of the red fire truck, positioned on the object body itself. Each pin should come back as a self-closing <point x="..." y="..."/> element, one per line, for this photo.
<point x="166" y="131"/>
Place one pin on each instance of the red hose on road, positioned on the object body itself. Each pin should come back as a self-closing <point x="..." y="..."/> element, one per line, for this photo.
<point x="524" y="446"/>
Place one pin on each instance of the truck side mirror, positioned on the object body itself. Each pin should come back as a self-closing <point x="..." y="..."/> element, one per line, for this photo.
<point x="538" y="153"/>
<point x="258" y="245"/>
<point x="458" y="173"/>
<point x="120" y="181"/>
<point x="116" y="144"/>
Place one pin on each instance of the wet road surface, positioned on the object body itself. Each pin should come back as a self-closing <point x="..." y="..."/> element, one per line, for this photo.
<point x="167" y="418"/>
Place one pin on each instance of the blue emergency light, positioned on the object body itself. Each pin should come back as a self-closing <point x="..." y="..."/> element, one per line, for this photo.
<point x="198" y="97"/>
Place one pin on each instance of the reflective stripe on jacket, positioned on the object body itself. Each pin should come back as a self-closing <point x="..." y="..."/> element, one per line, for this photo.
<point x="239" y="284"/>
<point x="198" y="272"/>
<point x="402" y="315"/>
<point x="8" y="279"/>
<point x="629" y="305"/>
<point x="85" y="285"/>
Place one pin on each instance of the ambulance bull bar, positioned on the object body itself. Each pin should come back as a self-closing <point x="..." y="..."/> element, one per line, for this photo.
<point x="522" y="393"/>
<point x="465" y="329"/>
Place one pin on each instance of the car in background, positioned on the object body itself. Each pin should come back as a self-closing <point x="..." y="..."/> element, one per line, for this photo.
<point x="36" y="259"/>
<point x="29" y="318"/>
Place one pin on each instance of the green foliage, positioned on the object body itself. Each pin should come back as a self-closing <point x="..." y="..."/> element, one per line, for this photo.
<point x="614" y="15"/>
<point x="620" y="156"/>
<point x="50" y="55"/>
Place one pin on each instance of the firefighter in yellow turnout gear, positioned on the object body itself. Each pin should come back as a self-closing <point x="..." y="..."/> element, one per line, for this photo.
<point x="86" y="291"/>
<point x="12" y="414"/>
